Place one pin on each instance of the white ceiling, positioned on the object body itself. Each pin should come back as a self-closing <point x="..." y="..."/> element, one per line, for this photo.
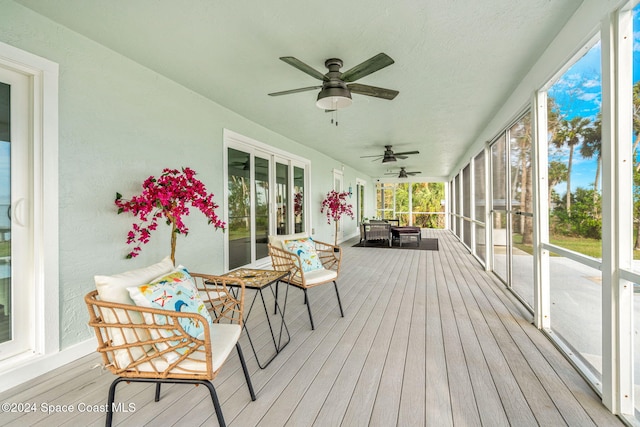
<point x="456" y="61"/>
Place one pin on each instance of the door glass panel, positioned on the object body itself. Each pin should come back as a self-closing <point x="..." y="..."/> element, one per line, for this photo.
<point x="282" y="198"/>
<point x="5" y="217"/>
<point x="480" y="204"/>
<point x="360" y="191"/>
<point x="466" y="204"/>
<point x="458" y="207"/>
<point x="298" y="199"/>
<point x="499" y="207"/>
<point x="452" y="205"/>
<point x="239" y="208"/>
<point x="261" y="178"/>
<point x="521" y="210"/>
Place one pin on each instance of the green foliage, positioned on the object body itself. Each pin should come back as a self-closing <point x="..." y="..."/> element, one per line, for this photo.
<point x="585" y="219"/>
<point x="425" y="197"/>
<point x="5" y="248"/>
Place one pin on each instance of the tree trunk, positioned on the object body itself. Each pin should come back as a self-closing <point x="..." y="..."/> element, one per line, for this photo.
<point x="174" y="238"/>
<point x="569" y="164"/>
<point x="595" y="187"/>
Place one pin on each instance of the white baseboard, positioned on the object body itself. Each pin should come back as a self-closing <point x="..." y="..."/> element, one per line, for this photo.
<point x="16" y="372"/>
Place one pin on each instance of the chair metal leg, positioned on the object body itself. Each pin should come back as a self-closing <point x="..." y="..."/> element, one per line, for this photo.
<point x="246" y="371"/>
<point x="338" y="295"/>
<point x="157" y="399"/>
<point x="306" y="299"/>
<point x="112" y="395"/>
<point x="208" y="384"/>
<point x="216" y="403"/>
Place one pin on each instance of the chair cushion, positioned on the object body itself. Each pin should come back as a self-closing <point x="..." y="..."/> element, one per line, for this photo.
<point x="277" y="240"/>
<point x="114" y="289"/>
<point x="224" y="337"/>
<point x="175" y="291"/>
<point x="306" y="250"/>
<point x="319" y="276"/>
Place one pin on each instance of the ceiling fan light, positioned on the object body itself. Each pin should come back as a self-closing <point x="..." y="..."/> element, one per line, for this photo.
<point x="387" y="159"/>
<point x="403" y="174"/>
<point x="334" y="98"/>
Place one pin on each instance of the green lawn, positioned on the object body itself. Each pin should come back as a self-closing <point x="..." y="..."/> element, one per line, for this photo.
<point x="583" y="245"/>
<point x="5" y="248"/>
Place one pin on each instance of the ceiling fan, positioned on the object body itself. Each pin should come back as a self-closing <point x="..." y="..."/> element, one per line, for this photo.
<point x="337" y="87"/>
<point x="390" y="156"/>
<point x="403" y="173"/>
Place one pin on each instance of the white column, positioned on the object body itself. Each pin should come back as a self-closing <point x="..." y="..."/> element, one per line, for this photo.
<point x="540" y="179"/>
<point x="617" y="226"/>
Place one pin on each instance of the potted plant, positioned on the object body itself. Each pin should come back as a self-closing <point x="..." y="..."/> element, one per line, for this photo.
<point x="335" y="204"/>
<point x="167" y="198"/>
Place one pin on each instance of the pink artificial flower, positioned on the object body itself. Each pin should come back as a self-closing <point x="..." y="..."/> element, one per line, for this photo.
<point x="167" y="197"/>
<point x="336" y="205"/>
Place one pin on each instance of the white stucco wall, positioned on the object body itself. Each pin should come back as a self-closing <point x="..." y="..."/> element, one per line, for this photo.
<point x="119" y="123"/>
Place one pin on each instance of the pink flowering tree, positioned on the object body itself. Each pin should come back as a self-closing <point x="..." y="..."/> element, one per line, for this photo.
<point x="166" y="198"/>
<point x="335" y="205"/>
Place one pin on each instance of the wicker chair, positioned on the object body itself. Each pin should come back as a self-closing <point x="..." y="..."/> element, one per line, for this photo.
<point x="376" y="231"/>
<point x="129" y="350"/>
<point x="330" y="256"/>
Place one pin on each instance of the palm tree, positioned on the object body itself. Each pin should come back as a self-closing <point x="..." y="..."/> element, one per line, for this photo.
<point x="570" y="133"/>
<point x="591" y="146"/>
<point x="557" y="172"/>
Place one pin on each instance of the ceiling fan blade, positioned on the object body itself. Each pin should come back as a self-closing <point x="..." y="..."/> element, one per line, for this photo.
<point x="378" y="92"/>
<point x="397" y="156"/>
<point x="302" y="89"/>
<point x="406" y="153"/>
<point x="294" y="62"/>
<point x="375" y="155"/>
<point x="369" y="66"/>
<point x="413" y="173"/>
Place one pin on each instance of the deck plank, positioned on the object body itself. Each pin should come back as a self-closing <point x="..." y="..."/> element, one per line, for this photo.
<point x="428" y="338"/>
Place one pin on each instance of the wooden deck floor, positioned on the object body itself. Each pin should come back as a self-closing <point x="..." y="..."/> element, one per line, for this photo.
<point x="428" y="339"/>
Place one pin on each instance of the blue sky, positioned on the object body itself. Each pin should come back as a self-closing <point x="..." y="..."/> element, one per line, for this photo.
<point x="578" y="93"/>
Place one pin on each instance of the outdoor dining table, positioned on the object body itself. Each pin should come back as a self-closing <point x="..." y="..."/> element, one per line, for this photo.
<point x="258" y="280"/>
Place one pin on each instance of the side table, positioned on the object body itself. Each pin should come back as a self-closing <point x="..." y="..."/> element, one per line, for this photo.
<point x="259" y="280"/>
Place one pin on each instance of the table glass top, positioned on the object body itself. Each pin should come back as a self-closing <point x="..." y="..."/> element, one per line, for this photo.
<point x="254" y="278"/>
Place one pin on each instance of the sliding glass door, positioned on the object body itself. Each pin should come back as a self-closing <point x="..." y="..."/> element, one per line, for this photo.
<point x="265" y="195"/>
<point x="512" y="211"/>
<point x="240" y="207"/>
<point x="16" y="288"/>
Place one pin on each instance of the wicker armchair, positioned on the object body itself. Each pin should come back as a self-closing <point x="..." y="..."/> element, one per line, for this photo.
<point x="329" y="255"/>
<point x="160" y="351"/>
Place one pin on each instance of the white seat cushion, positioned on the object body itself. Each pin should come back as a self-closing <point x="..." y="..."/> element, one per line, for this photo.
<point x="224" y="337"/>
<point x="114" y="289"/>
<point x="319" y="276"/>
